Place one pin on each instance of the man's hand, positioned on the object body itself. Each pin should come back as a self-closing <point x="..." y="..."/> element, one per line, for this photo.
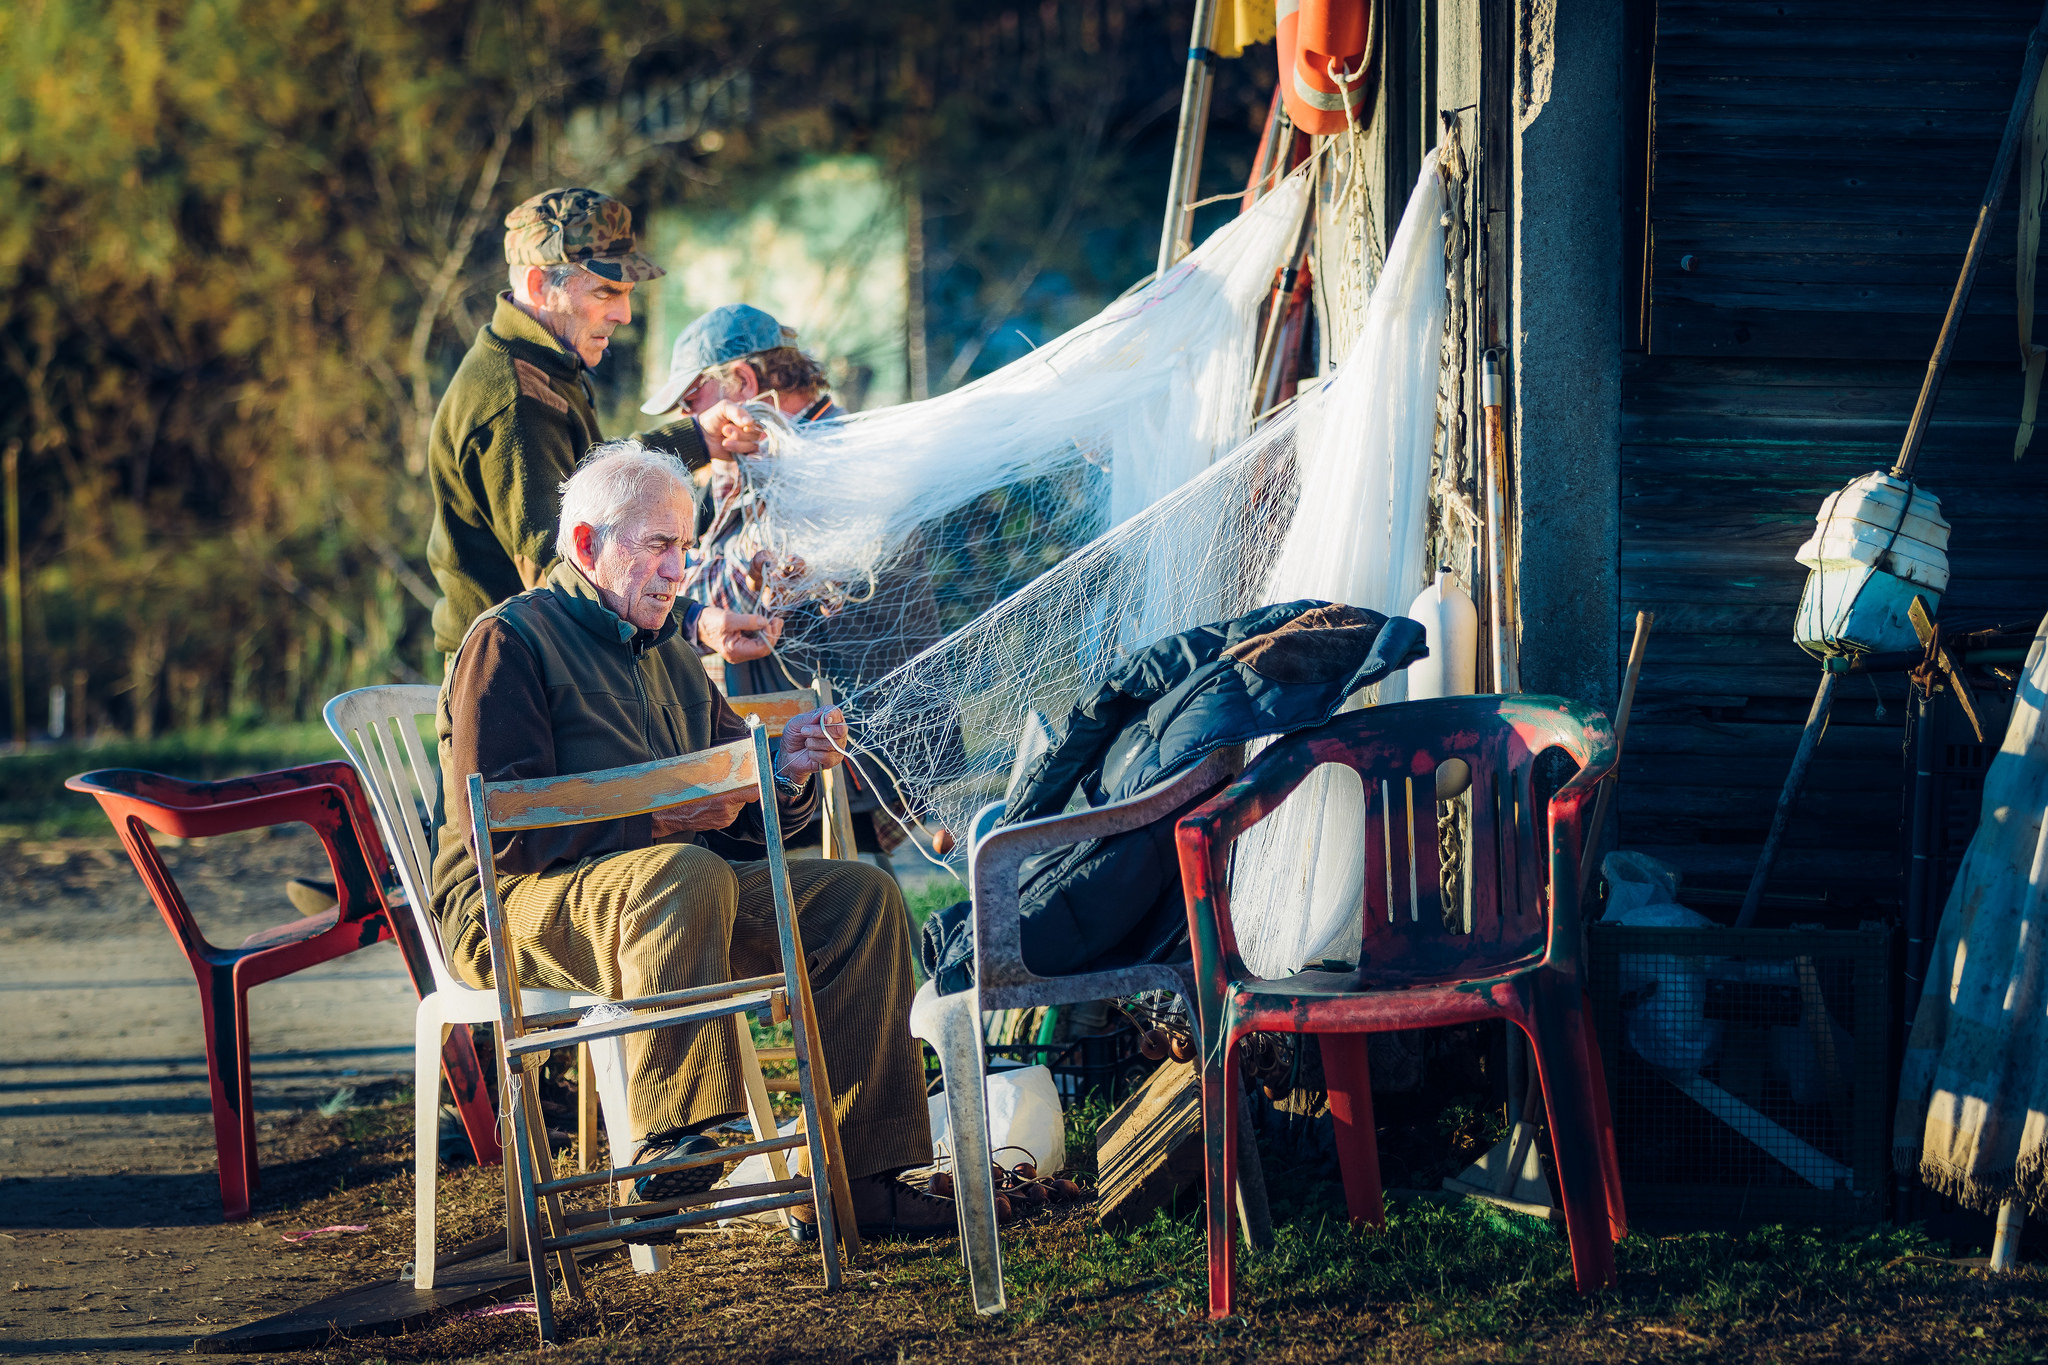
<point x="811" y="743"/>
<point x="735" y="636"/>
<point x="715" y="812"/>
<point x="729" y="430"/>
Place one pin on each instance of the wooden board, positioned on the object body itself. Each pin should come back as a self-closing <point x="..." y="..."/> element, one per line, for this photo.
<point x="386" y="1308"/>
<point x="1150" y="1148"/>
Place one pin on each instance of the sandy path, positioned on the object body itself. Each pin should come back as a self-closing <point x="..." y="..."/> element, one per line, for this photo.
<point x="111" y="1239"/>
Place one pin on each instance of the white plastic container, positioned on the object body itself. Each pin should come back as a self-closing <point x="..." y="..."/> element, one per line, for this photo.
<point x="1452" y="626"/>
<point x="1876" y="545"/>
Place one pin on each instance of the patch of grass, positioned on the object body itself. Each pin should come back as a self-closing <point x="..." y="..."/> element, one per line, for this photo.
<point x="1450" y="1282"/>
<point x="34" y="804"/>
<point x="932" y="897"/>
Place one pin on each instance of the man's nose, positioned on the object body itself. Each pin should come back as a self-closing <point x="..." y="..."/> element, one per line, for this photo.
<point x="671" y="566"/>
<point x="622" y="312"/>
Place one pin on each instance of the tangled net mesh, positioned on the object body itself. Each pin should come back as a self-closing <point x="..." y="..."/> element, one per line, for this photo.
<point x="970" y="564"/>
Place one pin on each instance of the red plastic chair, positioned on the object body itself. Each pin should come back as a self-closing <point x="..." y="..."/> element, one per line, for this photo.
<point x="1519" y="963"/>
<point x="328" y="797"/>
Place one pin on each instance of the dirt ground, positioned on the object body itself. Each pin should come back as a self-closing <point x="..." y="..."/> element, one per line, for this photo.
<point x="112" y="1248"/>
<point x="111" y="1241"/>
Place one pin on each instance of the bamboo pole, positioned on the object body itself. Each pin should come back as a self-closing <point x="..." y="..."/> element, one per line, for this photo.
<point x="1588" y="857"/>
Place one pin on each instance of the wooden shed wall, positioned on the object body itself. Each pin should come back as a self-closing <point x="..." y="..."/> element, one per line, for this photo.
<point x="1813" y="173"/>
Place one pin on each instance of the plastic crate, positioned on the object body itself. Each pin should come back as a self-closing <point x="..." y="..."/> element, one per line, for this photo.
<point x="1108" y="1063"/>
<point x="1749" y="1071"/>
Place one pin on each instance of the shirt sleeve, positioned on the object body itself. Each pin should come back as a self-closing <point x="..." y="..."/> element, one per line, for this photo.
<point x="501" y="728"/>
<point x="521" y="460"/>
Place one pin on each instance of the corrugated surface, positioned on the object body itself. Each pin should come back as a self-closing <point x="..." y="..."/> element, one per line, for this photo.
<point x="1820" y="162"/>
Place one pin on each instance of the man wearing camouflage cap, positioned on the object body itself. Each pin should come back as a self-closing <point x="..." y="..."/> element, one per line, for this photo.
<point x="520" y="413"/>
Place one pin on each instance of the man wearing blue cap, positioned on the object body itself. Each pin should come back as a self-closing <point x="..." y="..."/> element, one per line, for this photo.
<point x="735" y="354"/>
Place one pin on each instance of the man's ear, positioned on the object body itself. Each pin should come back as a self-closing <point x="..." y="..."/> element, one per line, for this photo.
<point x="583" y="546"/>
<point x="749" y="382"/>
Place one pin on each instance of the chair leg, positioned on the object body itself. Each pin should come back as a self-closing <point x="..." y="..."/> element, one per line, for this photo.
<point x="1349" y="1073"/>
<point x="1559" y="1049"/>
<point x="586" y="1112"/>
<point x="1254" y="1214"/>
<point x="428" y="1034"/>
<point x="1603" y="1113"/>
<point x="227" y="1066"/>
<point x="952" y="1025"/>
<point x="1220" y="1137"/>
<point x="551" y="1205"/>
<point x="472" y="1101"/>
<point x="608" y="1082"/>
<point x="520" y="1168"/>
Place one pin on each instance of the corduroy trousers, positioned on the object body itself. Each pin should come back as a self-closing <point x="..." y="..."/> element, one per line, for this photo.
<point x="673" y="916"/>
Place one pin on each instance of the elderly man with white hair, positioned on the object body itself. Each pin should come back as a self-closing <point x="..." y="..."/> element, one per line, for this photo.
<point x="586" y="672"/>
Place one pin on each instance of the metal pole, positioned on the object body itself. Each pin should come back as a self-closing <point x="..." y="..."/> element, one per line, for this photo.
<point x="1816" y="722"/>
<point x="1987" y="209"/>
<point x="1187" y="144"/>
<point x="1920" y="876"/>
<point x="17" y="666"/>
<point x="1500" y="551"/>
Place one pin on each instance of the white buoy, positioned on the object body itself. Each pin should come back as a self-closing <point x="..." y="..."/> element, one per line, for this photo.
<point x="1876" y="545"/>
<point x="1451" y="622"/>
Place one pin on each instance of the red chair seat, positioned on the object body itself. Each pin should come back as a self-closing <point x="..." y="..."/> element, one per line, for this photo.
<point x="295" y="932"/>
<point x="1519" y="963"/>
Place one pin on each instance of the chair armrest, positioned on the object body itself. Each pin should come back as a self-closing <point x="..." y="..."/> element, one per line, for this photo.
<point x="998" y="857"/>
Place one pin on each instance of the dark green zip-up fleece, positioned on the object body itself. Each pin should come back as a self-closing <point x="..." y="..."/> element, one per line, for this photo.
<point x="552" y="682"/>
<point x="517" y="417"/>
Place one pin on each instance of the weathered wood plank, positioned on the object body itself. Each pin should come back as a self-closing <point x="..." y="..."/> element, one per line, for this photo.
<point x="540" y="802"/>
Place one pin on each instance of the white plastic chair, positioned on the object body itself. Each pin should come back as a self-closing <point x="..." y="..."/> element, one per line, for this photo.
<point x="378" y="729"/>
<point x="952" y="1024"/>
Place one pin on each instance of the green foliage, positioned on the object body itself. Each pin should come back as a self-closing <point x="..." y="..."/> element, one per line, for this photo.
<point x="242" y="247"/>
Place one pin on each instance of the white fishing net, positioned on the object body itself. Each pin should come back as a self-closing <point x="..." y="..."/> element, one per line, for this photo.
<point x="1330" y="500"/>
<point x="894" y="527"/>
<point x="1010" y="512"/>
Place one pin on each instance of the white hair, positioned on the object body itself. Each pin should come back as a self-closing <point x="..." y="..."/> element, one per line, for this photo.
<point x="613" y="482"/>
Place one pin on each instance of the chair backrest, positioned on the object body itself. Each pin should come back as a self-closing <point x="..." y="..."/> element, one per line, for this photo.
<point x="325" y="796"/>
<point x="775" y="709"/>
<point x="995" y="859"/>
<point x="378" y="728"/>
<point x="613" y="794"/>
<point x="1523" y="895"/>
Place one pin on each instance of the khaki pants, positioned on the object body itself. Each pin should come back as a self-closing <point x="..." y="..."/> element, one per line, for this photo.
<point x="676" y="915"/>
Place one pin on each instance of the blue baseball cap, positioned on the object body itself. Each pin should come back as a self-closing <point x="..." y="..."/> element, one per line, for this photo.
<point x="724" y="334"/>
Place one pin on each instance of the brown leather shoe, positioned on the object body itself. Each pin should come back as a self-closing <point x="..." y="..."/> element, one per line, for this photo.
<point x="884" y="1206"/>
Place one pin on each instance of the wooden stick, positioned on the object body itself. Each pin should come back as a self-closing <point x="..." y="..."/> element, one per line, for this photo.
<point x="1588" y="857"/>
<point x="586" y="1111"/>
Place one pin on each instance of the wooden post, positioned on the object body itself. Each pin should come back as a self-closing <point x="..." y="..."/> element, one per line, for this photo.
<point x="17" y="684"/>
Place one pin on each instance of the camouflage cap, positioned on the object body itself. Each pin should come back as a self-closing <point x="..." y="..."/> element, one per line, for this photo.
<point x="577" y="227"/>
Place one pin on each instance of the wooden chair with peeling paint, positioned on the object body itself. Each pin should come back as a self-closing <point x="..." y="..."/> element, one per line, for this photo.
<point x="526" y="1035"/>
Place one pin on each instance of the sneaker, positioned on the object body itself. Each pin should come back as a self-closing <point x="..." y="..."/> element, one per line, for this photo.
<point x="664" y="1185"/>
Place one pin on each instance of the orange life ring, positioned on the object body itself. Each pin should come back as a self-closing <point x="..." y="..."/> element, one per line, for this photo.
<point x="1319" y="41"/>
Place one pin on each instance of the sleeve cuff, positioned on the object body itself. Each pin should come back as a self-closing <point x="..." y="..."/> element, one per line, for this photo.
<point x="681" y="439"/>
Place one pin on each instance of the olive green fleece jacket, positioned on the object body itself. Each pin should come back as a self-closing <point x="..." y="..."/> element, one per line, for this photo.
<point x="515" y="420"/>
<point x="553" y="682"/>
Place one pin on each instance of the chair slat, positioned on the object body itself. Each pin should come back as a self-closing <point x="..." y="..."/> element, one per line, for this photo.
<point x="717" y="990"/>
<point x="531" y="1043"/>
<point x="799" y="1194"/>
<point x="543" y="802"/>
<point x="739" y="1152"/>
